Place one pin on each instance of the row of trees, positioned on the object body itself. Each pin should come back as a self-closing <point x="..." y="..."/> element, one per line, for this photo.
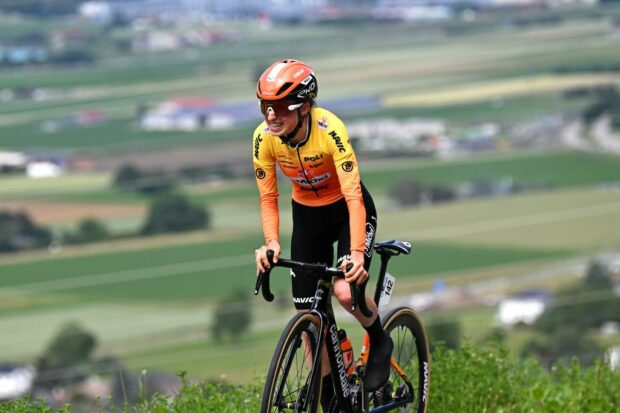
<point x="171" y="212"/>
<point x="129" y="178"/>
<point x="410" y="192"/>
<point x="40" y="8"/>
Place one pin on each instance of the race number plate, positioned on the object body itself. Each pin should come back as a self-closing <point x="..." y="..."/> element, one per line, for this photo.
<point x="388" y="289"/>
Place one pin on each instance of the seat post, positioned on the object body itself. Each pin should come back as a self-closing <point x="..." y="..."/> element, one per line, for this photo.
<point x="382" y="270"/>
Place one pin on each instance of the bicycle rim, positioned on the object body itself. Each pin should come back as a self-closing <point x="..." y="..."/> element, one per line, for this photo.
<point x="412" y="356"/>
<point x="291" y="383"/>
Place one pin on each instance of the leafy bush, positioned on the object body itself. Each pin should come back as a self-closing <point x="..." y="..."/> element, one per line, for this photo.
<point x="487" y="380"/>
<point x="471" y="379"/>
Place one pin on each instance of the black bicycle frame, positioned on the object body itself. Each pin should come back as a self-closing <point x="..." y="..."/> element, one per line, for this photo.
<point x="322" y="308"/>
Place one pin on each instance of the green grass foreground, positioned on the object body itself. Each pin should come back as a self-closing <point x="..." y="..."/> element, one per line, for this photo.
<point x="472" y="379"/>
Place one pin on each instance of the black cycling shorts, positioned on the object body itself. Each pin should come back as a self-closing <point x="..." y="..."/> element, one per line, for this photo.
<point x="315" y="230"/>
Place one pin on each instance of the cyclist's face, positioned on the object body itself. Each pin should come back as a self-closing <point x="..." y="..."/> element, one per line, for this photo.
<point x="281" y="116"/>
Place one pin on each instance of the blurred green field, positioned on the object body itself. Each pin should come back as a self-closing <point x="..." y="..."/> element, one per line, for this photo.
<point x="556" y="169"/>
<point x="167" y="289"/>
<point x="438" y="64"/>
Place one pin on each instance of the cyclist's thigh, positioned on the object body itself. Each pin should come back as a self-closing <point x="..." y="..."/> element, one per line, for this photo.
<point x="344" y="238"/>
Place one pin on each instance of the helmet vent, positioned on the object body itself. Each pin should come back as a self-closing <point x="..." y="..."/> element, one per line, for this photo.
<point x="284" y="87"/>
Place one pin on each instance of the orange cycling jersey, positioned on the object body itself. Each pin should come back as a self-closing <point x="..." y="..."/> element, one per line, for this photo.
<point x="322" y="170"/>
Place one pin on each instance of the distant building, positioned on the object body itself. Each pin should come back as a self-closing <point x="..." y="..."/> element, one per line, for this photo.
<point x="99" y="11"/>
<point x="414" y="135"/>
<point x="15" y="380"/>
<point x="188" y="114"/>
<point x="614" y="357"/>
<point x="43" y="169"/>
<point x="409" y="11"/>
<point x="524" y="307"/>
<point x="21" y="55"/>
<point x="12" y="161"/>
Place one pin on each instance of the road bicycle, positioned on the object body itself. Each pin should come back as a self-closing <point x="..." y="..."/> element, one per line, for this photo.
<point x="293" y="382"/>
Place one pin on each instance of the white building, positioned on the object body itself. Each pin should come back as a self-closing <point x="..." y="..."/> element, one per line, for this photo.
<point x="15" y="381"/>
<point x="524" y="307"/>
<point x="10" y="161"/>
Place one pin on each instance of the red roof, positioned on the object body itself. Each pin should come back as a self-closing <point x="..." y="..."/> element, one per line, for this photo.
<point x="193" y="101"/>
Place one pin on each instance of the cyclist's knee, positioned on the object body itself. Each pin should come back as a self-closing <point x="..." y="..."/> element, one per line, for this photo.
<point x="342" y="292"/>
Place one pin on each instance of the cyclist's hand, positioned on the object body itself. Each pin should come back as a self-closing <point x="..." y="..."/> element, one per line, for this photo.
<point x="358" y="273"/>
<point x="262" y="263"/>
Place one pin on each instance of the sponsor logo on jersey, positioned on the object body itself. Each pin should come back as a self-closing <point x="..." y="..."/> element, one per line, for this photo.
<point x="260" y="173"/>
<point x="337" y="141"/>
<point x="314" y="188"/>
<point x="347" y="166"/>
<point x="313" y="158"/>
<point x="301" y="178"/>
<point x="257" y="143"/>
<point x="323" y="124"/>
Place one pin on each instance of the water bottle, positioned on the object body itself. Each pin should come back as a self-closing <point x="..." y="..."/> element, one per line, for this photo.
<point x="347" y="351"/>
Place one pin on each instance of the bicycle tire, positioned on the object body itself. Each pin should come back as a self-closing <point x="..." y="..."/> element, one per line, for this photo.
<point x="412" y="354"/>
<point x="290" y="369"/>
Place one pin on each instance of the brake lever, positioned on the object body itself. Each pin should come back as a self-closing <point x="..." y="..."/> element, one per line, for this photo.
<point x="262" y="280"/>
<point x="358" y="296"/>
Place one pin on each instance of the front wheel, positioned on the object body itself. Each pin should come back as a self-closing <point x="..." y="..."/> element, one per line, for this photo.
<point x="412" y="355"/>
<point x="292" y="385"/>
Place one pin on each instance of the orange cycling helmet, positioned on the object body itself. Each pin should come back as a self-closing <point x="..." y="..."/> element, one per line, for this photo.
<point x="288" y="79"/>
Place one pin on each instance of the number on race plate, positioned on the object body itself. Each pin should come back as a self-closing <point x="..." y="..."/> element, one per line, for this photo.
<point x="387" y="289"/>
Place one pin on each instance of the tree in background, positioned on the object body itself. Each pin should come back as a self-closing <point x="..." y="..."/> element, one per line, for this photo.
<point x="130" y="178"/>
<point x="174" y="213"/>
<point x="567" y="325"/>
<point x="445" y="330"/>
<point x="607" y="103"/>
<point x="88" y="230"/>
<point x="65" y="358"/>
<point x="233" y="316"/>
<point x="17" y="232"/>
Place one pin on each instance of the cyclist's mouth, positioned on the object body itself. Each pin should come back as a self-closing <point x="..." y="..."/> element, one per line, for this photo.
<point x="276" y="125"/>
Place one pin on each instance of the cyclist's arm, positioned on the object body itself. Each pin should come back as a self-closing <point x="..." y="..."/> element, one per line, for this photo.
<point x="350" y="184"/>
<point x="266" y="180"/>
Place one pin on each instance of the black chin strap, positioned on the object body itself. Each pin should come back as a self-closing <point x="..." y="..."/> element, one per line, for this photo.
<point x="287" y="138"/>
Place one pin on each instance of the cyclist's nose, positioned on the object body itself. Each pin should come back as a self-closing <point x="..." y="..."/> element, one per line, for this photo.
<point x="271" y="114"/>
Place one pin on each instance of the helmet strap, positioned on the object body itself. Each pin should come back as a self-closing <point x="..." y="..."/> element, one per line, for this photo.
<point x="288" y="137"/>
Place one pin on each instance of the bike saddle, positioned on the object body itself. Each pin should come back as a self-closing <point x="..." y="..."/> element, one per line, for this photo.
<point x="393" y="247"/>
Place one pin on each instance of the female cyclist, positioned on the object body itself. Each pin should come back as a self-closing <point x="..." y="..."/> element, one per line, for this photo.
<point x="330" y="204"/>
